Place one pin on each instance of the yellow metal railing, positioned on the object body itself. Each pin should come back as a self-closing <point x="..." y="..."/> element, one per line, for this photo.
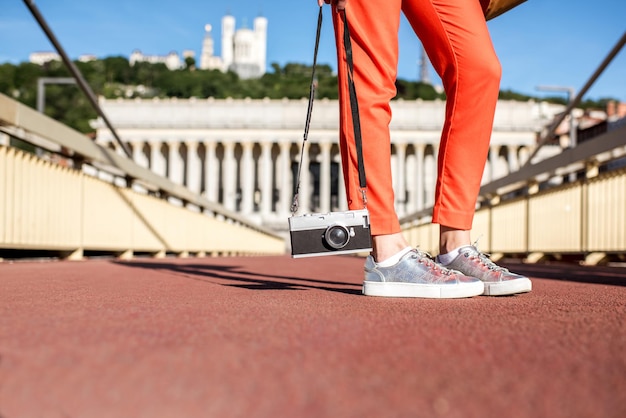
<point x="585" y="218"/>
<point x="46" y="206"/>
<point x="606" y="213"/>
<point x="49" y="207"/>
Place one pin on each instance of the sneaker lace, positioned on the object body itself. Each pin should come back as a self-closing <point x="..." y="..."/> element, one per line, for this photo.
<point x="485" y="260"/>
<point x="425" y="258"/>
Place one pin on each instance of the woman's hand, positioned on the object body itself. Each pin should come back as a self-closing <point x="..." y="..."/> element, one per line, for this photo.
<point x="341" y="4"/>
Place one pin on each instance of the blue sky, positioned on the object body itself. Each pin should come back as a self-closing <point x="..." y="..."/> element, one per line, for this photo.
<point x="541" y="42"/>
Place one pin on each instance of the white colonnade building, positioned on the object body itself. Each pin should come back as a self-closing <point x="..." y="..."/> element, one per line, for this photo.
<point x="244" y="153"/>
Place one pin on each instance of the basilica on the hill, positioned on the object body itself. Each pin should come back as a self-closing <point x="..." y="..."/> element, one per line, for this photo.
<point x="244" y="50"/>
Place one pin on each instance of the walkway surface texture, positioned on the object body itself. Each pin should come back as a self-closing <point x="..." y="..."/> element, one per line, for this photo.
<point x="276" y="337"/>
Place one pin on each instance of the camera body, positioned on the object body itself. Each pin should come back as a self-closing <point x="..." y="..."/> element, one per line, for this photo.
<point x="318" y="234"/>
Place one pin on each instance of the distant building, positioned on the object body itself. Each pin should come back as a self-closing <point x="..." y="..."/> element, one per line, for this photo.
<point x="172" y="60"/>
<point x="244" y="51"/>
<point x="87" y="58"/>
<point x="590" y="123"/>
<point x="242" y="153"/>
<point x="42" y="57"/>
<point x="615" y="110"/>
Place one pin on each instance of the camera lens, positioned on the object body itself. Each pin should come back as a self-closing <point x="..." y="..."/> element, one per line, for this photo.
<point x="337" y="236"/>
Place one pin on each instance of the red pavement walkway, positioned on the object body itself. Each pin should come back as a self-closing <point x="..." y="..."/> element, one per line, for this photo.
<point x="276" y="337"/>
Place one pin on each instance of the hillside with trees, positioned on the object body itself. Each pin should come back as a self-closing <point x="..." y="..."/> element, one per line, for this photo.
<point x="114" y="77"/>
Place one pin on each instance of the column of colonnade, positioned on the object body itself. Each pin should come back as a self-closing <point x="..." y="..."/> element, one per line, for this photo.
<point x="256" y="178"/>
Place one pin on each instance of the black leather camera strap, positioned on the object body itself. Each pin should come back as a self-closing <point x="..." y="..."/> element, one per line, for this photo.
<point x="354" y="107"/>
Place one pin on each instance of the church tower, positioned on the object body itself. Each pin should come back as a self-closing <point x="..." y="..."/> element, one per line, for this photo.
<point x="244" y="50"/>
<point x="228" y="41"/>
<point x="260" y="32"/>
<point x="208" y="61"/>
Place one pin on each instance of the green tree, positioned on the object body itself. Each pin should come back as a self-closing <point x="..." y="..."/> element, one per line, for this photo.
<point x="190" y="63"/>
<point x="416" y="90"/>
<point x="7" y="79"/>
<point x="511" y="95"/>
<point x="115" y="77"/>
<point x="117" y="70"/>
<point x="25" y="82"/>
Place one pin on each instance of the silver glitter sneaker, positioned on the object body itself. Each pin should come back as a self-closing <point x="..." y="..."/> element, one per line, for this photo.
<point x="416" y="275"/>
<point x="498" y="280"/>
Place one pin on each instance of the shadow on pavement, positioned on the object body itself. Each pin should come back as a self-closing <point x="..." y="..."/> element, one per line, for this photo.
<point x="248" y="277"/>
<point x="240" y="276"/>
<point x="615" y="276"/>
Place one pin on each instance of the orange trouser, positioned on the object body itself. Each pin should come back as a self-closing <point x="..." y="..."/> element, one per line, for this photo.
<point x="455" y="36"/>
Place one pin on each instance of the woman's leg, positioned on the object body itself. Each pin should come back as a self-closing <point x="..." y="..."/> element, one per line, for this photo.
<point x="374" y="37"/>
<point x="456" y="38"/>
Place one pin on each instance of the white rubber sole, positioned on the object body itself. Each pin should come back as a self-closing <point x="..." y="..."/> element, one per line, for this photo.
<point x="430" y="291"/>
<point x="508" y="287"/>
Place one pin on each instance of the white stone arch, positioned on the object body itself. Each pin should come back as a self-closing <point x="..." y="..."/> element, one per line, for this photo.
<point x="337" y="188"/>
<point x="430" y="175"/>
<point x="412" y="178"/>
<point x="501" y="168"/>
<point x="315" y="166"/>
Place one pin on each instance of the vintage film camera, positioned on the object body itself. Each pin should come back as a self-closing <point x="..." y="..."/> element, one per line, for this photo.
<point x="318" y="234"/>
<point x="332" y="233"/>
